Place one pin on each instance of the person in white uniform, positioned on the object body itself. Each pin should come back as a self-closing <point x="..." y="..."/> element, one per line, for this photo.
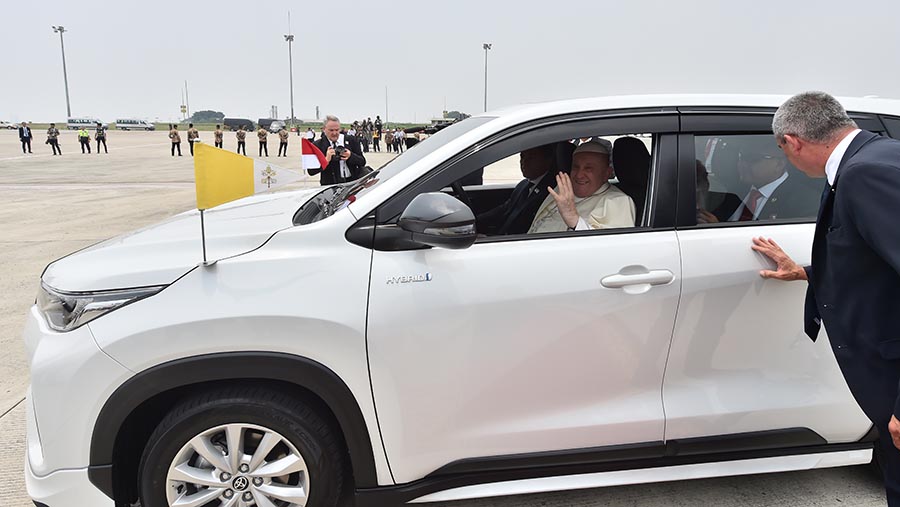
<point x="585" y="200"/>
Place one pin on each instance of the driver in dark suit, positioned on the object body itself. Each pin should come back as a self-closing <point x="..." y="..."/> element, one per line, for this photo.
<point x="342" y="154"/>
<point x="514" y="216"/>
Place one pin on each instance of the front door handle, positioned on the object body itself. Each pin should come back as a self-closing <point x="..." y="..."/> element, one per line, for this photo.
<point x="637" y="276"/>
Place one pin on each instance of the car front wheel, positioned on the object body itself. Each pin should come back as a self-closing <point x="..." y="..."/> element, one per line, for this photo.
<point x="249" y="447"/>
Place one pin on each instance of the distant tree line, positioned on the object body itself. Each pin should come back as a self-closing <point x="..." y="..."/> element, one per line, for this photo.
<point x="207" y="116"/>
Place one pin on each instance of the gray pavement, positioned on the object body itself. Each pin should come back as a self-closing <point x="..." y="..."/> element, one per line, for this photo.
<point x="53" y="205"/>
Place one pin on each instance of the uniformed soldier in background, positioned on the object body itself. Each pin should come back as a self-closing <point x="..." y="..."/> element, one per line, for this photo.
<point x="53" y="139"/>
<point x="218" y="136"/>
<point x="176" y="140"/>
<point x="263" y="145"/>
<point x="193" y="136"/>
<point x="100" y="136"/>
<point x="283" y="137"/>
<point x="242" y="139"/>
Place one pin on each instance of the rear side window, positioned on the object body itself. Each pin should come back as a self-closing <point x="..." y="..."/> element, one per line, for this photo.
<point x="747" y="178"/>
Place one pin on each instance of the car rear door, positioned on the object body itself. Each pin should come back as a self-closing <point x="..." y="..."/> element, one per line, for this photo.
<point x="740" y="363"/>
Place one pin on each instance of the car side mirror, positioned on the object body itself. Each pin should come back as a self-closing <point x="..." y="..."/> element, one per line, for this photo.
<point x="439" y="220"/>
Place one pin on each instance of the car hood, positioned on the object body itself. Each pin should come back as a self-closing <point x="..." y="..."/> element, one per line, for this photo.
<point x="163" y="252"/>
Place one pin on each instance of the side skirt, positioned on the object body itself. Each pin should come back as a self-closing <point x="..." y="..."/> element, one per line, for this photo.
<point x="756" y="452"/>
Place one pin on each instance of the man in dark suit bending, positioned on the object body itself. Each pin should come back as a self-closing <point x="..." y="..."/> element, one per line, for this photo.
<point x="342" y="154"/>
<point x="854" y="279"/>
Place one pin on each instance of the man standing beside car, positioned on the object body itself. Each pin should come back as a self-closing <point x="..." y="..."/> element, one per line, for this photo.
<point x="25" y="137"/>
<point x="343" y="156"/>
<point x="854" y="278"/>
<point x="53" y="139"/>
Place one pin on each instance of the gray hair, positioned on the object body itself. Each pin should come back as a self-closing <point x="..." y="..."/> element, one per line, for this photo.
<point x="813" y="116"/>
<point x="330" y="117"/>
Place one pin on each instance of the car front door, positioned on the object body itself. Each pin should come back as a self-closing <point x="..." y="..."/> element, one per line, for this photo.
<point x="740" y="363"/>
<point x="529" y="343"/>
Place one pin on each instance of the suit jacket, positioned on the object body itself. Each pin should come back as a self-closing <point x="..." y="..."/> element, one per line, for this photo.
<point x="332" y="173"/>
<point x="854" y="279"/>
<point x="24" y="133"/>
<point x="791" y="199"/>
<point x="515" y="215"/>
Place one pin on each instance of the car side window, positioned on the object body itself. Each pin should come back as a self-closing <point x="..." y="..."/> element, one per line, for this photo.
<point x="747" y="178"/>
<point x="608" y="177"/>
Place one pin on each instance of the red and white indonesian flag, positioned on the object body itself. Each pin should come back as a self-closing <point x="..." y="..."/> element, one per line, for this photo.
<point x="313" y="158"/>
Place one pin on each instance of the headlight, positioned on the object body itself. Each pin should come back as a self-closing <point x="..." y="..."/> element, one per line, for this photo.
<point x="65" y="311"/>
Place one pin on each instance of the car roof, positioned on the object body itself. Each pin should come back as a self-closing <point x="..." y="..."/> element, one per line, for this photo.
<point x="538" y="110"/>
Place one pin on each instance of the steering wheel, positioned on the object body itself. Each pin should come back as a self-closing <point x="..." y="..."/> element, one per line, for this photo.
<point x="461" y="194"/>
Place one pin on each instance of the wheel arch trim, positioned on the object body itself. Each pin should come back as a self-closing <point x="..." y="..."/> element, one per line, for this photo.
<point x="229" y="366"/>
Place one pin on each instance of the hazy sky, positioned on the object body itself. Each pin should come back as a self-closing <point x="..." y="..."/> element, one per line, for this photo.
<point x="131" y="58"/>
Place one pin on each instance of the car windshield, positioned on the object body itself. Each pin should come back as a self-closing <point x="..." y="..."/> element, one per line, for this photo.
<point x="422" y="150"/>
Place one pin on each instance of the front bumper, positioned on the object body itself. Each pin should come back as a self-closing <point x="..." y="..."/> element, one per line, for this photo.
<point x="65" y="488"/>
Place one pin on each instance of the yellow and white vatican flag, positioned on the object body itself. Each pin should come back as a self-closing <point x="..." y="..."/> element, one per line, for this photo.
<point x="222" y="176"/>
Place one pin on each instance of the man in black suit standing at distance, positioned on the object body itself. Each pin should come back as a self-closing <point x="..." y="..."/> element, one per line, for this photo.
<point x="25" y="137"/>
<point x="514" y="216"/>
<point x="854" y="279"/>
<point x="774" y="191"/>
<point x="342" y="154"/>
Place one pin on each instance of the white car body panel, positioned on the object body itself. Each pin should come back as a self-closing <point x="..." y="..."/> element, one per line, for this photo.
<point x="297" y="316"/>
<point x="515" y="347"/>
<point x="171" y="248"/>
<point x="740" y="361"/>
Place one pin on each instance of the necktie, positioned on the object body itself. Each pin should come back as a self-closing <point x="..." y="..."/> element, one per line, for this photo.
<point x="750" y="206"/>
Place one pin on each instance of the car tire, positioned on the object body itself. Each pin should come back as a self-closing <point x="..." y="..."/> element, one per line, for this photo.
<point x="194" y="440"/>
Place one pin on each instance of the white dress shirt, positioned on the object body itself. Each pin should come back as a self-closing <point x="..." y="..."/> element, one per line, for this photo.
<point x="766" y="192"/>
<point x="834" y="160"/>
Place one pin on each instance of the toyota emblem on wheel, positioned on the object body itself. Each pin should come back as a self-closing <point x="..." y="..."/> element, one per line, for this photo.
<point x="240" y="483"/>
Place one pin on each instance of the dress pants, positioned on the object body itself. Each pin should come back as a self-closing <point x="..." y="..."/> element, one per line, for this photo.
<point x="191" y="143"/>
<point x="218" y="144"/>
<point x="102" y="140"/>
<point x="242" y="145"/>
<point x="263" y="145"/>
<point x="54" y="143"/>
<point x="26" y="143"/>
<point x="85" y="144"/>
<point x="174" y="146"/>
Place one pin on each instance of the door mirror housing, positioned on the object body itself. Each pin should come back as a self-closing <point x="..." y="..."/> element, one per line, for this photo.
<point x="439" y="220"/>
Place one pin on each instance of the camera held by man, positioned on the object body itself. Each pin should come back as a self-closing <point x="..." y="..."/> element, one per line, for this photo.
<point x="343" y="154"/>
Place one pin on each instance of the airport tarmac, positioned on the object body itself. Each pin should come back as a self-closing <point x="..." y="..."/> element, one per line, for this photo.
<point x="53" y="205"/>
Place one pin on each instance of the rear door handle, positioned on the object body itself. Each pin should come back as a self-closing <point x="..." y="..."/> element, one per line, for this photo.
<point x="645" y="277"/>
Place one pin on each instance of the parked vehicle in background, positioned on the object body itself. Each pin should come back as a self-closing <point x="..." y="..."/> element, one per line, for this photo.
<point x="271" y="124"/>
<point x="134" y="124"/>
<point x="235" y="123"/>
<point x="7" y="125"/>
<point x="84" y="122"/>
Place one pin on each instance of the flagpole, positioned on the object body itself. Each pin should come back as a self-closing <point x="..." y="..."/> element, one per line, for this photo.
<point x="203" y="236"/>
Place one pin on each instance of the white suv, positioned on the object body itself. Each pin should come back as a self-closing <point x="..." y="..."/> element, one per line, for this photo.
<point x="375" y="337"/>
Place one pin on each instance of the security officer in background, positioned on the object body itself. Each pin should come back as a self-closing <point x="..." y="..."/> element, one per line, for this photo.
<point x="218" y="136"/>
<point x="100" y="136"/>
<point x="176" y="140"/>
<point x="241" y="135"/>
<point x="283" y="135"/>
<point x="263" y="144"/>
<point x="53" y="139"/>
<point x="193" y="136"/>
<point x="84" y="137"/>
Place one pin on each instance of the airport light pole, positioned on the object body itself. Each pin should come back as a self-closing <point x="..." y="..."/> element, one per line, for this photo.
<point x="61" y="30"/>
<point x="486" y="47"/>
<point x="290" y="40"/>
